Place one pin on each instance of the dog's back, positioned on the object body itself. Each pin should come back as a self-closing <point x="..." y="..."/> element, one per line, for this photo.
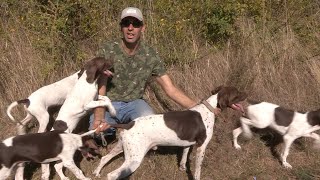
<point x="262" y="112"/>
<point x="38" y="102"/>
<point x="35" y="147"/>
<point x="266" y="114"/>
<point x="55" y="93"/>
<point x="182" y="128"/>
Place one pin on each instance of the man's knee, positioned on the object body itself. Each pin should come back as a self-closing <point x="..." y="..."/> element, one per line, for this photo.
<point x="142" y="108"/>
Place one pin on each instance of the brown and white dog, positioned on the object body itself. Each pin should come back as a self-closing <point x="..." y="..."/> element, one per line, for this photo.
<point x="290" y="124"/>
<point x="45" y="148"/>
<point x="177" y="128"/>
<point x="84" y="94"/>
<point x="37" y="104"/>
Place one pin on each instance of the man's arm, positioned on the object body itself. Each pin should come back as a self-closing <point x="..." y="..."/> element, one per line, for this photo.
<point x="174" y="93"/>
<point x="99" y="112"/>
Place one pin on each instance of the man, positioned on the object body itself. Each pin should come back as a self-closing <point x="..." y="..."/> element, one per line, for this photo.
<point x="134" y="63"/>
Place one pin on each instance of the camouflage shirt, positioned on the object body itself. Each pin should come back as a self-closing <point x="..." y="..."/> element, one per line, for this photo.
<point x="130" y="72"/>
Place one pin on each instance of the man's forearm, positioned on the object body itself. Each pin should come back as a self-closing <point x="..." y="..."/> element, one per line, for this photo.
<point x="179" y="97"/>
<point x="99" y="112"/>
<point x="174" y="93"/>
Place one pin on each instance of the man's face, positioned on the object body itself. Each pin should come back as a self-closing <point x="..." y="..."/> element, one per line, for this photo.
<point x="131" y="29"/>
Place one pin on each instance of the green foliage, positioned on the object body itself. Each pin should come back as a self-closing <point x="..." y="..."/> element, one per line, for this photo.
<point x="57" y="28"/>
<point x="219" y="23"/>
<point x="60" y="29"/>
<point x="220" y="17"/>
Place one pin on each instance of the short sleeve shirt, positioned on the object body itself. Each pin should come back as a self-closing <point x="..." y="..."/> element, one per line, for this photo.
<point x="130" y="72"/>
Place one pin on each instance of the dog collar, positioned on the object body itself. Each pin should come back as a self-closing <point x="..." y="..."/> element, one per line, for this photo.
<point x="215" y="111"/>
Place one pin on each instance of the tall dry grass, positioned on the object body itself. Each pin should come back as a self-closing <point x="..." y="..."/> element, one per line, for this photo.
<point x="270" y="66"/>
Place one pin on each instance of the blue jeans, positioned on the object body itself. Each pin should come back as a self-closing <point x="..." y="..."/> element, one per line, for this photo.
<point x="126" y="112"/>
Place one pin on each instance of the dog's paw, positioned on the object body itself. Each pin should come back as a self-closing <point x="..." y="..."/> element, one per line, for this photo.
<point x="287" y="165"/>
<point x="100" y="97"/>
<point x="237" y="146"/>
<point x="182" y="168"/>
<point x="96" y="173"/>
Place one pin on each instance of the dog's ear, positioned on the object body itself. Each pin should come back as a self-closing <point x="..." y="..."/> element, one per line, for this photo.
<point x="109" y="63"/>
<point x="216" y="90"/>
<point x="91" y="70"/>
<point x="223" y="101"/>
<point x="230" y="95"/>
<point x="90" y="148"/>
<point x="60" y="125"/>
<point x="80" y="73"/>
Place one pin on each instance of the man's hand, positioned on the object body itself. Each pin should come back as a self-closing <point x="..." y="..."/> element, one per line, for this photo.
<point x="100" y="126"/>
<point x="217" y="111"/>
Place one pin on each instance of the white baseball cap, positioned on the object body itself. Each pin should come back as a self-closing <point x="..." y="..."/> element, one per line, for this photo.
<point x="133" y="12"/>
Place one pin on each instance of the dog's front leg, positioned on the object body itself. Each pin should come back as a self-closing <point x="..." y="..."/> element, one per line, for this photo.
<point x="19" y="171"/>
<point x="133" y="158"/>
<point x="45" y="168"/>
<point x="93" y="104"/>
<point x="117" y="149"/>
<point x="236" y="133"/>
<point x="74" y="169"/>
<point x="184" y="158"/>
<point x="59" y="169"/>
<point x="199" y="158"/>
<point x="101" y="103"/>
<point x="288" y="140"/>
<point x="5" y="172"/>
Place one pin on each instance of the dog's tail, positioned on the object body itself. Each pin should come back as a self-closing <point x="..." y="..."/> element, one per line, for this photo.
<point x="124" y="126"/>
<point x="14" y="104"/>
<point x="88" y="133"/>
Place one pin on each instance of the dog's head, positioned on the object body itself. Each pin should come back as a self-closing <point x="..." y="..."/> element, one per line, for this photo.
<point x="90" y="148"/>
<point x="229" y="96"/>
<point x="96" y="67"/>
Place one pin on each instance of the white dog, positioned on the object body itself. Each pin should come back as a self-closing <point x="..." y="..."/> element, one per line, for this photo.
<point x="37" y="104"/>
<point x="290" y="124"/>
<point x="81" y="98"/>
<point x="177" y="128"/>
